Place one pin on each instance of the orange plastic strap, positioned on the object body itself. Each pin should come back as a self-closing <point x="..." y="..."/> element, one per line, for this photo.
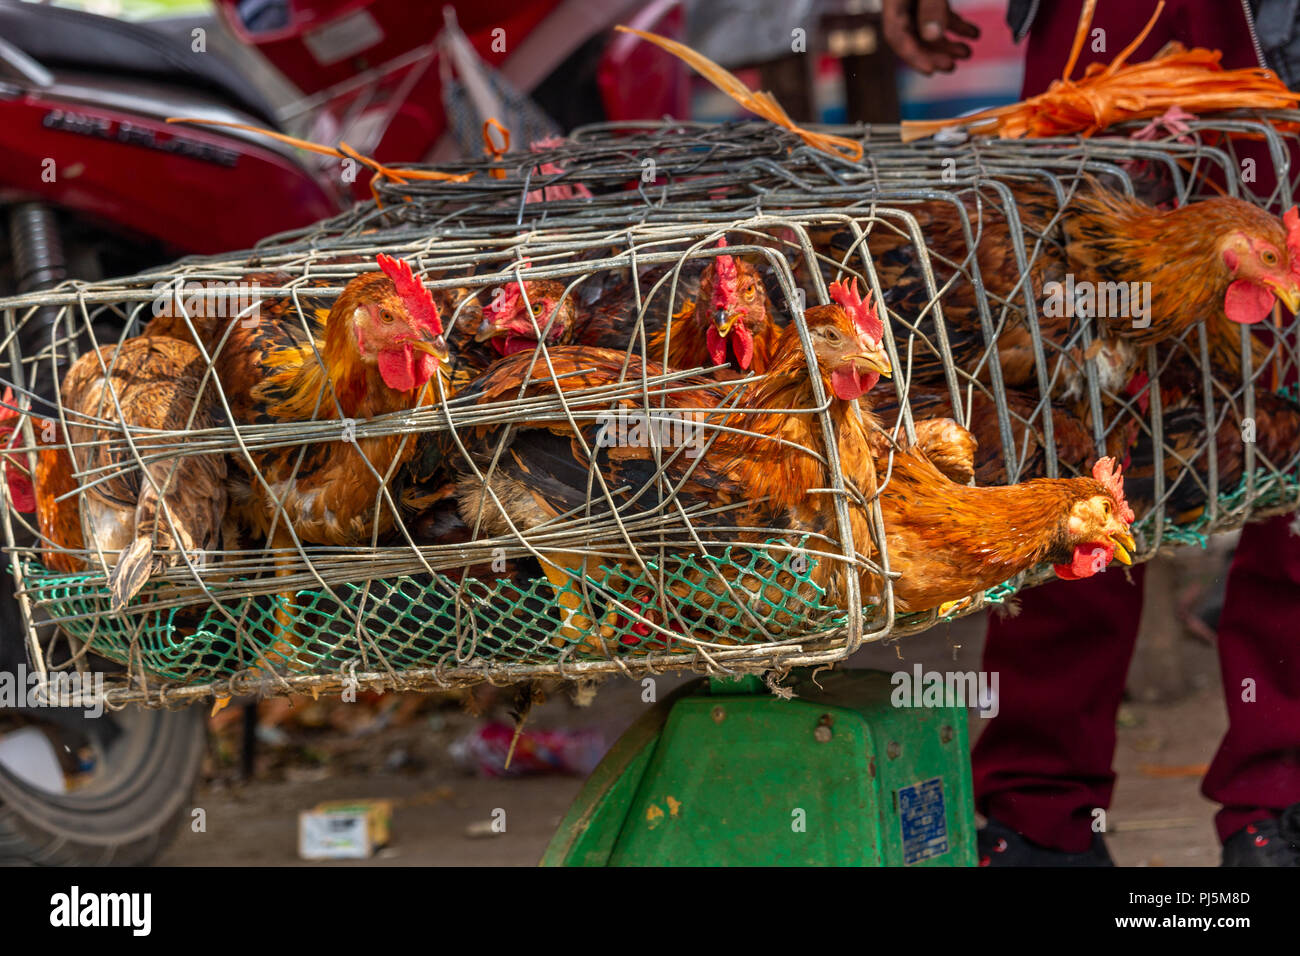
<point x="344" y="151"/>
<point x="491" y="148"/>
<point x="762" y="103"/>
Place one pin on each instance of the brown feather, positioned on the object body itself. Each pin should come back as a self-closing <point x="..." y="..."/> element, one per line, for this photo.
<point x="158" y="384"/>
<point x="286" y="367"/>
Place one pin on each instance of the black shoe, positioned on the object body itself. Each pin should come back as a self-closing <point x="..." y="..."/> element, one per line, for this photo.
<point x="999" y="845"/>
<point x="1274" y="842"/>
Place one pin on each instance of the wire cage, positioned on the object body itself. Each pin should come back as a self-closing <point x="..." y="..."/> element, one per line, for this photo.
<point x="612" y="174"/>
<point x="424" y="594"/>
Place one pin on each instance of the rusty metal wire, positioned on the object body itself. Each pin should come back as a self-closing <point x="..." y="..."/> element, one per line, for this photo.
<point x="661" y="195"/>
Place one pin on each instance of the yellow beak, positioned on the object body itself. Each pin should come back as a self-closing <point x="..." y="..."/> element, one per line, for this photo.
<point x="1289" y="295"/>
<point x="486" y="330"/>
<point x="437" y="347"/>
<point x="723" y="320"/>
<point x="1124" y="546"/>
<point x="876" y="361"/>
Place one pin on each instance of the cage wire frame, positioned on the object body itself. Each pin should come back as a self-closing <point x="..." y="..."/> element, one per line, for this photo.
<point x="735" y="170"/>
<point x="665" y="235"/>
<point x="253" y="436"/>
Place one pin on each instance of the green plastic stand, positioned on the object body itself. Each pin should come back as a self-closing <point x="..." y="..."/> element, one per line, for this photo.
<point x="723" y="773"/>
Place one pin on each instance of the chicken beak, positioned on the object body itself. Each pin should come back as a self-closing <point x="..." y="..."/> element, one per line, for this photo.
<point x="487" y="329"/>
<point x="435" y="345"/>
<point x="1289" y="294"/>
<point x="1124" y="546"/>
<point x="723" y="320"/>
<point x="876" y="360"/>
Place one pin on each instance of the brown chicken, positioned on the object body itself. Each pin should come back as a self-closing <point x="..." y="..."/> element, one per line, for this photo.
<point x="729" y="321"/>
<point x="140" y="522"/>
<point x="947" y="540"/>
<point x="1222" y="261"/>
<point x="379" y="347"/>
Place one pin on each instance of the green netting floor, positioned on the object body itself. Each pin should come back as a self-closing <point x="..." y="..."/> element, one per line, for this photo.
<point x="744" y="596"/>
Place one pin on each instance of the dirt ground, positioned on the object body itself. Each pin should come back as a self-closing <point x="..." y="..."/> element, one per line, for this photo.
<point x="1168" y="730"/>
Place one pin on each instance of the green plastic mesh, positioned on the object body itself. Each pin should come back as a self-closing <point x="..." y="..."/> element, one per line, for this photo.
<point x="1271" y="492"/>
<point x="746" y="595"/>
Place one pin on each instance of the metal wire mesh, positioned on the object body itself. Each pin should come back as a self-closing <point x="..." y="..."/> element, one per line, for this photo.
<point x="403" y="609"/>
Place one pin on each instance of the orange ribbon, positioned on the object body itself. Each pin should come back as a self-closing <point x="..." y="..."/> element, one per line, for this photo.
<point x="344" y="151"/>
<point x="1105" y="95"/>
<point x="492" y="149"/>
<point x="762" y="102"/>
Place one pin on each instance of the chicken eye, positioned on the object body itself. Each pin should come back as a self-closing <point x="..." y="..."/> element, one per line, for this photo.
<point x="750" y="292"/>
<point x="386" y="317"/>
<point x="538" y="308"/>
<point x="1268" y="257"/>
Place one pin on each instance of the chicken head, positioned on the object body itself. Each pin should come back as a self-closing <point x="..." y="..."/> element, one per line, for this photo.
<point x="515" y="325"/>
<point x="734" y="300"/>
<point x="396" y="323"/>
<point x="848" y="342"/>
<point x="1263" y="262"/>
<point x="1097" y="527"/>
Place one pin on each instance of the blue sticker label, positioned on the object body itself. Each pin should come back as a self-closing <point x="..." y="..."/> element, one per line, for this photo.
<point x="925" y="828"/>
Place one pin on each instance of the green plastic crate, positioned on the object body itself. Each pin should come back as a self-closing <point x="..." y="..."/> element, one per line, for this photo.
<point x="837" y="776"/>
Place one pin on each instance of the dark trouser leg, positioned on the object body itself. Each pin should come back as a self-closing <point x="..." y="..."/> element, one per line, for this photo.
<point x="1256" y="771"/>
<point x="1044" y="762"/>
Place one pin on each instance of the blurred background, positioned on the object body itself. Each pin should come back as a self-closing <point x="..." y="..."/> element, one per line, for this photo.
<point x="852" y="75"/>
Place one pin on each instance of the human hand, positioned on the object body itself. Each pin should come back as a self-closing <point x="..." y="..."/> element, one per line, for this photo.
<point x="918" y="32"/>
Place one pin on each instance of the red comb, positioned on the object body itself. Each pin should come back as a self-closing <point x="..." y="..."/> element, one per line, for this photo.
<point x="1291" y="219"/>
<point x="1109" y="474"/>
<point x="411" y="290"/>
<point x="726" y="287"/>
<point x="864" y="314"/>
<point x="506" y="301"/>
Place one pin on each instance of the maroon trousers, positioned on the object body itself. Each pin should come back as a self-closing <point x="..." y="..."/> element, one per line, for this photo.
<point x="1044" y="763"/>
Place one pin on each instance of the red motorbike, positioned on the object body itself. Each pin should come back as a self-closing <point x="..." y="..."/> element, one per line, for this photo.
<point x="95" y="183"/>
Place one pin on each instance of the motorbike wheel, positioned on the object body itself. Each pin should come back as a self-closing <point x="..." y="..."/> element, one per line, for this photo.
<point x="129" y="777"/>
<point x="78" y="790"/>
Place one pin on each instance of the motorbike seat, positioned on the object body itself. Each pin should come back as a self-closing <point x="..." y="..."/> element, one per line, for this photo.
<point x="58" y="37"/>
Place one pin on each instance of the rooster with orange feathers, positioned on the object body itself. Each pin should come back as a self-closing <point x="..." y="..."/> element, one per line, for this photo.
<point x="376" y="352"/>
<point x="758" y="478"/>
<point x="1221" y="261"/>
<point x="729" y="322"/>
